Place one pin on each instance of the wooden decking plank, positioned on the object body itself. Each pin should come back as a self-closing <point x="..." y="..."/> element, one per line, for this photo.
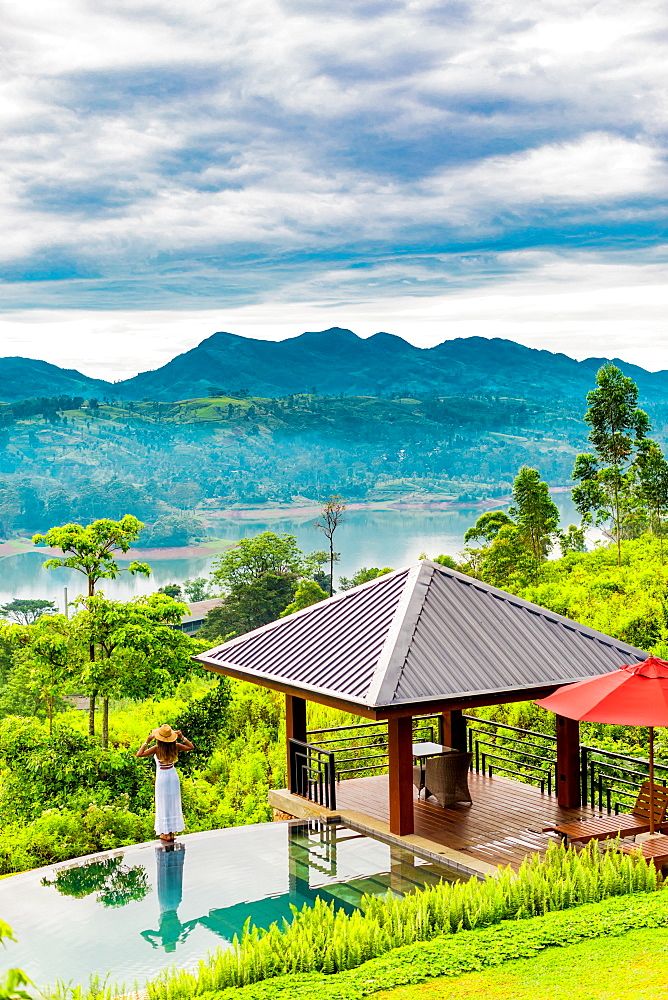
<point x="498" y="825"/>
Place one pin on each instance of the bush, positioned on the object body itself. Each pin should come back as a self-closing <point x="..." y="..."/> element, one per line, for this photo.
<point x="68" y="768"/>
<point x="321" y="939"/>
<point x="203" y="721"/>
<point x="469" y="951"/>
<point x="60" y="834"/>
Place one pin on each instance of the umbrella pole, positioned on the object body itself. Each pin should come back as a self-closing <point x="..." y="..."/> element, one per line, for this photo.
<point x="651" y="780"/>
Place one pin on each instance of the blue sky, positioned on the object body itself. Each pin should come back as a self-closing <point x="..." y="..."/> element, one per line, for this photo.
<point x="430" y="169"/>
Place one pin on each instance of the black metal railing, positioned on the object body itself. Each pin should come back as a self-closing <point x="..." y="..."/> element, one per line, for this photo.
<point x="610" y="781"/>
<point x="525" y="753"/>
<point x="370" y="740"/>
<point x="312" y="773"/>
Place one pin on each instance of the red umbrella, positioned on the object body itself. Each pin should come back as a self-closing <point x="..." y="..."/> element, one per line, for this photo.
<point x="634" y="695"/>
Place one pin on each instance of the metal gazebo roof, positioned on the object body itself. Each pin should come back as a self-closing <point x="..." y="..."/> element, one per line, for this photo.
<point x="419" y="636"/>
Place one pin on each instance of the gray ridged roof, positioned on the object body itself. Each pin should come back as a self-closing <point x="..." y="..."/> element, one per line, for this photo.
<point x="421" y="634"/>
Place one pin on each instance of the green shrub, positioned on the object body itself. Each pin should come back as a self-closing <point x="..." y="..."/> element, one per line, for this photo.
<point x="203" y="721"/>
<point x="65" y="770"/>
<point x="324" y="940"/>
<point x="60" y="834"/>
<point x="469" y="951"/>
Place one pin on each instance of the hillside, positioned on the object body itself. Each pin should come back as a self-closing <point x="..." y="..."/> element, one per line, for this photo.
<point x="335" y="361"/>
<point x="22" y="378"/>
<point x="162" y="459"/>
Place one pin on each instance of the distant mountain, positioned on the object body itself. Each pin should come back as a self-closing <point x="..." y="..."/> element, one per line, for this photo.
<point x="338" y="361"/>
<point x="21" y="378"/>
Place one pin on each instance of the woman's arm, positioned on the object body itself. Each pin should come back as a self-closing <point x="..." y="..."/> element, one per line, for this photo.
<point x="144" y="749"/>
<point x="186" y="745"/>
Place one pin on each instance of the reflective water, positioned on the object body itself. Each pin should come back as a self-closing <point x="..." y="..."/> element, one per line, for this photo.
<point x="365" y="538"/>
<point x="133" y="912"/>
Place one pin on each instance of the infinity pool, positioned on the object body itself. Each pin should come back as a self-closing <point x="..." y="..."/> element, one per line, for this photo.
<point x="132" y="912"/>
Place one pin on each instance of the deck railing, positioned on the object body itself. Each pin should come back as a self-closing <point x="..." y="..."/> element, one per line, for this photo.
<point x="370" y="740"/>
<point x="312" y="773"/>
<point x="525" y="753"/>
<point x="609" y="781"/>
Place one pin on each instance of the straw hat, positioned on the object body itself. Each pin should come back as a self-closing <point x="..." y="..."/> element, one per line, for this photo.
<point x="165" y="734"/>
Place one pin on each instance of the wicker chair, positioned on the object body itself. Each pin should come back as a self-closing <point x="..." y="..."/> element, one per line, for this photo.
<point x="446" y="778"/>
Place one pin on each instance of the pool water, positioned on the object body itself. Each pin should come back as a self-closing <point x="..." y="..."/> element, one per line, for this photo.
<point x="132" y="912"/>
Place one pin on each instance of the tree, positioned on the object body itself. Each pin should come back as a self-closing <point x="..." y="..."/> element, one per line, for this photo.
<point x="535" y="514"/>
<point x="250" y="605"/>
<point x="517" y="542"/>
<point x="330" y="517"/>
<point x="362" y="576"/>
<point x="172" y="590"/>
<point x="197" y="590"/>
<point x="572" y="540"/>
<point x="308" y="592"/>
<point x="251" y="558"/>
<point x="617" y="426"/>
<point x="91" y="552"/>
<point x="26" y="611"/>
<point x="48" y="658"/>
<point x="204" y="719"/>
<point x="139" y="653"/>
<point x="508" y="560"/>
<point x="488" y="526"/>
<point x="651" y="469"/>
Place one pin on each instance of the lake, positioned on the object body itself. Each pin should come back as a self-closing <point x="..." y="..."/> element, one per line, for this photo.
<point x="365" y="538"/>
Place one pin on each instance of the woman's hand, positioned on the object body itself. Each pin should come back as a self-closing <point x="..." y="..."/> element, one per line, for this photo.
<point x="179" y="733"/>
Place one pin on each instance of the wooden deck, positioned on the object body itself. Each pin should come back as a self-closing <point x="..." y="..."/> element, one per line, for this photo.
<point x="504" y="824"/>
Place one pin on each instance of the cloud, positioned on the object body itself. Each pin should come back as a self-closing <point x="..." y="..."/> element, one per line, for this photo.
<point x="158" y="155"/>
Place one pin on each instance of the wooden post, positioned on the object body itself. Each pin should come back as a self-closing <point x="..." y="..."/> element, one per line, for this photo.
<point x="295" y="725"/>
<point x="400" y="770"/>
<point x="454" y="730"/>
<point x="568" y="762"/>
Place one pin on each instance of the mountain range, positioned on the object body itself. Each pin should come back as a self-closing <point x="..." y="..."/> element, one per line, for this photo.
<point x="337" y="361"/>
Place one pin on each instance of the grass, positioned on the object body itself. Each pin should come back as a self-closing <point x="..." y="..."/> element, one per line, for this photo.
<point x="578" y="971"/>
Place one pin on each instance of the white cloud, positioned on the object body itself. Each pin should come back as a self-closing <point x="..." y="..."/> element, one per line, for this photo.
<point x="148" y="144"/>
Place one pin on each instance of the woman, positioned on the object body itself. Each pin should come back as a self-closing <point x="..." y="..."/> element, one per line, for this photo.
<point x="168" y="812"/>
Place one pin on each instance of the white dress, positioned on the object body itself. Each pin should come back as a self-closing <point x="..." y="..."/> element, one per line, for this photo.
<point x="168" y="812"/>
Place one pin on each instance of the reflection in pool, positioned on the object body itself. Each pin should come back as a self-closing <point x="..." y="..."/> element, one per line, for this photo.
<point x="169" y="863"/>
<point x="133" y="912"/>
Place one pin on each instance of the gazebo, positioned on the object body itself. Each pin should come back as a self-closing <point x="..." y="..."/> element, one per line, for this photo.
<point x="420" y="641"/>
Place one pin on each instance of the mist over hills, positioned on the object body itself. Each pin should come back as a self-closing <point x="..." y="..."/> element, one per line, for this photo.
<point x="337" y="361"/>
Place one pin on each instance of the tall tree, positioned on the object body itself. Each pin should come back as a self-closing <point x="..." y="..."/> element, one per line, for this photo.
<point x="652" y="474"/>
<point x="90" y="550"/>
<point x="139" y="652"/>
<point x="330" y="518"/>
<point x="535" y="514"/>
<point x="617" y="426"/>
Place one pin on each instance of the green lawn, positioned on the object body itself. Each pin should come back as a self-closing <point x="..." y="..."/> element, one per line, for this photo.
<point x="633" y="965"/>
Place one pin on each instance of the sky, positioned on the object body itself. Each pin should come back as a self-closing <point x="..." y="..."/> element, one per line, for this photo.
<point x="431" y="169"/>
